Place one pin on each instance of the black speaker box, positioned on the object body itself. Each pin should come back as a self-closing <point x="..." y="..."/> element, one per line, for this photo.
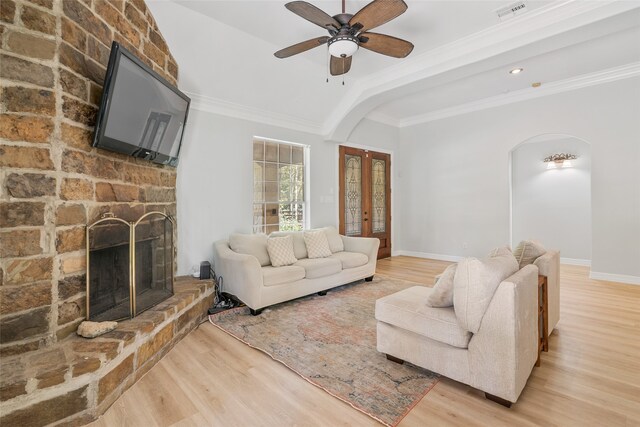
<point x="205" y="270"/>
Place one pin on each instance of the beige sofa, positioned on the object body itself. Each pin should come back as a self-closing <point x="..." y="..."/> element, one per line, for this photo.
<point x="258" y="284"/>
<point x="497" y="357"/>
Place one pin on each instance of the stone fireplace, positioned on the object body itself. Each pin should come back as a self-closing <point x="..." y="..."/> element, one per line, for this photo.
<point x="53" y="183"/>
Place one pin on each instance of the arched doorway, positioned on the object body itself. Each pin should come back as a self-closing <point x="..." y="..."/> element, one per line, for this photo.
<point x="551" y="201"/>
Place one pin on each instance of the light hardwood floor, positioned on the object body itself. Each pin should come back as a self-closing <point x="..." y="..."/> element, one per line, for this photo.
<point x="589" y="377"/>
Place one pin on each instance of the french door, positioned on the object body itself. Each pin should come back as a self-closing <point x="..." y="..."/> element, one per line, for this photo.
<point x="365" y="196"/>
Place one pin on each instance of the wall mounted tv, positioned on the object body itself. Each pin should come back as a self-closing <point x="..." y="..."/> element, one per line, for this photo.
<point x="141" y="114"/>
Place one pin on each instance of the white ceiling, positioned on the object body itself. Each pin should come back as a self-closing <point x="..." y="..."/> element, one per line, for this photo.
<point x="427" y="24"/>
<point x="225" y="53"/>
<point x="590" y="56"/>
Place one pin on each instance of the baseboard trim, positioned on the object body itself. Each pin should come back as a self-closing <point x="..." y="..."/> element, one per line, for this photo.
<point x="620" y="278"/>
<point x="576" y="261"/>
<point x="439" y="257"/>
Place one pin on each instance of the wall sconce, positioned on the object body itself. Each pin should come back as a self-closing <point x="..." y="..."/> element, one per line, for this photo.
<point x="560" y="160"/>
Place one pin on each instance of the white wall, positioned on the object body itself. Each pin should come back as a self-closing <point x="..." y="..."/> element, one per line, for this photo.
<point x="552" y="205"/>
<point x="454" y="176"/>
<point x="215" y="178"/>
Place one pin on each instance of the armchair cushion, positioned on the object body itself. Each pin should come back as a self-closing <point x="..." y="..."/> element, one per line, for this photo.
<point x="527" y="252"/>
<point x="442" y="294"/>
<point x="408" y="310"/>
<point x="474" y="284"/>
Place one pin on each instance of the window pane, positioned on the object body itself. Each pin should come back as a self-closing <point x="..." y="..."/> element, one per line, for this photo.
<point x="378" y="195"/>
<point x="258" y="192"/>
<point x="353" y="195"/>
<point x="285" y="153"/>
<point x="258" y="150"/>
<point x="271" y="192"/>
<point x="258" y="218"/>
<point x="297" y="155"/>
<point x="271" y="151"/>
<point x="285" y="183"/>
<point x="258" y="168"/>
<point x="272" y="214"/>
<point x="270" y="171"/>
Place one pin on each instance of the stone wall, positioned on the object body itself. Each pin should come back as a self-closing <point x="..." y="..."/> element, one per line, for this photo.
<point x="53" y="60"/>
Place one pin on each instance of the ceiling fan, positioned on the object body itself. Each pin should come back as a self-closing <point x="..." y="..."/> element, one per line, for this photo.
<point x="348" y="32"/>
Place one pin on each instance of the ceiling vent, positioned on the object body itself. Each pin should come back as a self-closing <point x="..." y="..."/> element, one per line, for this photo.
<point x="511" y="10"/>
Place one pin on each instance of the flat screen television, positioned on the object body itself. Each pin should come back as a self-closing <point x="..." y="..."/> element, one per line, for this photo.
<point x="141" y="114"/>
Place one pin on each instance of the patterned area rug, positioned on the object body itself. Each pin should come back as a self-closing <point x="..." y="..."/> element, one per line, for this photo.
<point x="330" y="341"/>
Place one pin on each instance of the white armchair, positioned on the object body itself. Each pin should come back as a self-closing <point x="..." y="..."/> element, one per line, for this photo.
<point x="497" y="359"/>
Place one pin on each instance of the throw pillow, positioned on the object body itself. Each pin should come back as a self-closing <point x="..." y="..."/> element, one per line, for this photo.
<point x="527" y="252"/>
<point x="335" y="241"/>
<point x="317" y="244"/>
<point x="250" y="244"/>
<point x="474" y="284"/>
<point x="502" y="251"/>
<point x="281" y="251"/>
<point x="442" y="293"/>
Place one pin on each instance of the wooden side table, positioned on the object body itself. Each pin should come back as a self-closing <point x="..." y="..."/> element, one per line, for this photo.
<point x="543" y="317"/>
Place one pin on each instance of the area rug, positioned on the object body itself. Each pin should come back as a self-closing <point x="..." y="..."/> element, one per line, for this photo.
<point x="330" y="341"/>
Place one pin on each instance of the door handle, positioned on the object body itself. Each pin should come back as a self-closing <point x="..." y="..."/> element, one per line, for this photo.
<point x="366" y="219"/>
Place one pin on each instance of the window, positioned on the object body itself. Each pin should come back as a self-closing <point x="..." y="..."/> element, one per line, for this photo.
<point x="278" y="186"/>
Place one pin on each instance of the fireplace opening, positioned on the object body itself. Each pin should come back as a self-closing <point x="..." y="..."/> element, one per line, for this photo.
<point x="130" y="266"/>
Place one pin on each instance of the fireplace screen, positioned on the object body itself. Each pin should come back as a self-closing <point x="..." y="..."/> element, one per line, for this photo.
<point x="130" y="266"/>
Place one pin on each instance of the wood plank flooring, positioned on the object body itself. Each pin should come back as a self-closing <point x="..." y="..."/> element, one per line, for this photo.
<point x="589" y="377"/>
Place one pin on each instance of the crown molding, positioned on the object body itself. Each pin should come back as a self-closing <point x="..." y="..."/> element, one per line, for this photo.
<point x="560" y="86"/>
<point x="385" y="119"/>
<point x="526" y="29"/>
<point x="230" y="109"/>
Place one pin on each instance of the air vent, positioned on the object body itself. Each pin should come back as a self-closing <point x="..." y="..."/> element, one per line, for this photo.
<point x="511" y="10"/>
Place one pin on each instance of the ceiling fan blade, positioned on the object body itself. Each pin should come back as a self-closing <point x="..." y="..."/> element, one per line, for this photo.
<point x="340" y="66"/>
<point x="301" y="47"/>
<point x="312" y="14"/>
<point x="377" y="13"/>
<point x="386" y="45"/>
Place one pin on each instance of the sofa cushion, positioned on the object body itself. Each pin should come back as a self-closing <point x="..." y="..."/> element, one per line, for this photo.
<point x="350" y="259"/>
<point x="474" y="284"/>
<point x="442" y="295"/>
<point x="317" y="244"/>
<point x="281" y="251"/>
<point x="299" y="248"/>
<point x="335" y="241"/>
<point x="408" y="310"/>
<point x="319" y="267"/>
<point x="251" y="244"/>
<point x="272" y="276"/>
<point x="527" y="252"/>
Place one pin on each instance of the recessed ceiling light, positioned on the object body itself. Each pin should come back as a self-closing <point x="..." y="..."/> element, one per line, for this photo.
<point x="516" y="71"/>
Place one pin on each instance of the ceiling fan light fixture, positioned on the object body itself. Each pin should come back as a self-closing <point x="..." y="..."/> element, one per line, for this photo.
<point x="342" y="46"/>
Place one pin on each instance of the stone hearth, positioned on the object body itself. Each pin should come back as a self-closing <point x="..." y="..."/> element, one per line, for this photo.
<point x="76" y="380"/>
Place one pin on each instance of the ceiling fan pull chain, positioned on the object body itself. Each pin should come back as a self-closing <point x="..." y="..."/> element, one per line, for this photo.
<point x="328" y="59"/>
